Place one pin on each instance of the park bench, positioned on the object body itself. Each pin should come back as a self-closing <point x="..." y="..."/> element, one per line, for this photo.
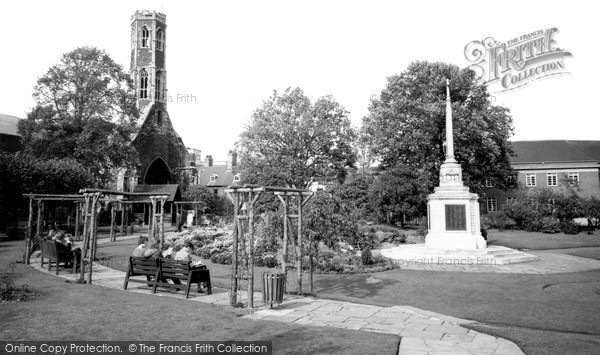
<point x="140" y="266"/>
<point x="54" y="254"/>
<point x="157" y="272"/>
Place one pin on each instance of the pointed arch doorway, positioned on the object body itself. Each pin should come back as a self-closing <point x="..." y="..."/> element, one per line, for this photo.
<point x="158" y="173"/>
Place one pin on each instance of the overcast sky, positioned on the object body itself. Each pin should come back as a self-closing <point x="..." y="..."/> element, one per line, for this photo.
<point x="231" y="55"/>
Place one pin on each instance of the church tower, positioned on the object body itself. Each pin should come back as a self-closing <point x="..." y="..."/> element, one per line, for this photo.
<point x="161" y="153"/>
<point x="148" y="46"/>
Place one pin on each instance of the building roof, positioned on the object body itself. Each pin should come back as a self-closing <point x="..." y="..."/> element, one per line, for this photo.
<point x="172" y="190"/>
<point x="223" y="177"/>
<point x="8" y="125"/>
<point x="549" y="151"/>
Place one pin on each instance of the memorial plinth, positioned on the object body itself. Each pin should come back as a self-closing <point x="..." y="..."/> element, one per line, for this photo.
<point x="452" y="211"/>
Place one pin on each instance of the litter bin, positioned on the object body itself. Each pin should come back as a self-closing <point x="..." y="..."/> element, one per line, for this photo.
<point x="273" y="285"/>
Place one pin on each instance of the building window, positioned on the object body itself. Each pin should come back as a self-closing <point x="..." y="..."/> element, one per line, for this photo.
<point x="551" y="179"/>
<point x="530" y="179"/>
<point x="215" y="191"/>
<point x="213" y="178"/>
<point x="143" y="84"/>
<point x="159" y="117"/>
<point x="489" y="183"/>
<point x="511" y="199"/>
<point x="492" y="204"/>
<point x="159" y="39"/>
<point x="158" y="86"/>
<point x="145" y="37"/>
<point x="573" y="179"/>
<point x="236" y="177"/>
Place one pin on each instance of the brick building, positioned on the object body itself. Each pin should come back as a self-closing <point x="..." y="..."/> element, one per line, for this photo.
<point x="216" y="176"/>
<point x="10" y="140"/>
<point x="553" y="164"/>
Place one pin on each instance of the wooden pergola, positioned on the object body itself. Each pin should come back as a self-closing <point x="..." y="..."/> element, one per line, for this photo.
<point x="244" y="198"/>
<point x="90" y="199"/>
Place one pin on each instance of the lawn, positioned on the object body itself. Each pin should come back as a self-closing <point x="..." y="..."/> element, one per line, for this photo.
<point x="555" y="313"/>
<point x="67" y="311"/>
<point x="519" y="239"/>
<point x="551" y="313"/>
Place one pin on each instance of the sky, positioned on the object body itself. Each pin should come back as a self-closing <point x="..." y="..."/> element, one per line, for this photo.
<point x="231" y="55"/>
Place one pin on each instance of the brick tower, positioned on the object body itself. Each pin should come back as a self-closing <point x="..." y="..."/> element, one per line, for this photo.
<point x="160" y="149"/>
<point x="148" y="45"/>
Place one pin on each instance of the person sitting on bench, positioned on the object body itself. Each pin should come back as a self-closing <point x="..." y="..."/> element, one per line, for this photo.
<point x="64" y="245"/>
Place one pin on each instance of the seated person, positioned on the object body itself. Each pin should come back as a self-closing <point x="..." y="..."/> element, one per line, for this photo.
<point x="148" y="250"/>
<point x="64" y="244"/>
<point x="185" y="254"/>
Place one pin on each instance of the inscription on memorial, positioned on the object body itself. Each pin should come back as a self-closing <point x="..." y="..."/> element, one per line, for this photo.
<point x="456" y="218"/>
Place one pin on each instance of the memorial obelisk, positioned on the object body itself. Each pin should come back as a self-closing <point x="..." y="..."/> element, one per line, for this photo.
<point x="452" y="211"/>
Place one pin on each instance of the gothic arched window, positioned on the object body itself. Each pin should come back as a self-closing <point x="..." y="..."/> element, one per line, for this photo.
<point x="159" y="39"/>
<point x="143" y="84"/>
<point x="145" y="37"/>
<point x="158" y="86"/>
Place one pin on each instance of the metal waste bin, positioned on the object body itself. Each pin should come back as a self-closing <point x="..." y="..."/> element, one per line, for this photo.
<point x="273" y="286"/>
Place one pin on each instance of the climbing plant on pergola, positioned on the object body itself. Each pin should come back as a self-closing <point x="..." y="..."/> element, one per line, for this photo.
<point x="244" y="199"/>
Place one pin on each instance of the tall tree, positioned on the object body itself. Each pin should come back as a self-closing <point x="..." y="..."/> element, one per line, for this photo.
<point x="397" y="193"/>
<point x="86" y="111"/>
<point x="406" y="126"/>
<point x="290" y="141"/>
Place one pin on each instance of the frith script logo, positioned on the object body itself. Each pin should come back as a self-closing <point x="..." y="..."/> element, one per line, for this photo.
<point x="517" y="62"/>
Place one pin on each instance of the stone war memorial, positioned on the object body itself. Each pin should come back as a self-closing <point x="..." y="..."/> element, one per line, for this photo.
<point x="453" y="219"/>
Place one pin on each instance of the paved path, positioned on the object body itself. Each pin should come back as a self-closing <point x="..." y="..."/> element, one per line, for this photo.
<point x="549" y="263"/>
<point x="421" y="332"/>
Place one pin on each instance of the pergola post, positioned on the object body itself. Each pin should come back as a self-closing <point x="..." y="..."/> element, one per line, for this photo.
<point x="29" y="232"/>
<point x="93" y="233"/>
<point x="161" y="226"/>
<point x="122" y="219"/>
<point x="299" y="254"/>
<point x="77" y="213"/>
<point x="234" y="263"/>
<point x="113" y="221"/>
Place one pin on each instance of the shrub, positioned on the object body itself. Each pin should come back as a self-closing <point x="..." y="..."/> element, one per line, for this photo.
<point x="496" y="219"/>
<point x="549" y="225"/>
<point x="9" y="291"/>
<point x="367" y="256"/>
<point x="569" y="227"/>
<point x="266" y="260"/>
<point x="222" y="258"/>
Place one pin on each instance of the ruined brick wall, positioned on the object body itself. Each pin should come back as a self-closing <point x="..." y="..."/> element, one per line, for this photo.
<point x="158" y="139"/>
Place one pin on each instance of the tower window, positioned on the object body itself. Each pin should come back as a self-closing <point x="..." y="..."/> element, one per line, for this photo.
<point x="158" y="86"/>
<point x="159" y="117"/>
<point x="145" y="37"/>
<point x="159" y="39"/>
<point x="143" y="84"/>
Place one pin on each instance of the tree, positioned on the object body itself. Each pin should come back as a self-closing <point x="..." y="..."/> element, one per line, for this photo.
<point x="85" y="111"/>
<point x="397" y="193"/>
<point x="290" y="141"/>
<point x="23" y="174"/>
<point x="406" y="126"/>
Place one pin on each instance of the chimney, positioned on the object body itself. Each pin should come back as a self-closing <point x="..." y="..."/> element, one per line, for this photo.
<point x="231" y="160"/>
<point x="208" y="160"/>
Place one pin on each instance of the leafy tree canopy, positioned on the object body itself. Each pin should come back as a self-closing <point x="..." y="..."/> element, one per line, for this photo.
<point x="85" y="111"/>
<point x="396" y="193"/>
<point x="290" y="141"/>
<point x="406" y="125"/>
